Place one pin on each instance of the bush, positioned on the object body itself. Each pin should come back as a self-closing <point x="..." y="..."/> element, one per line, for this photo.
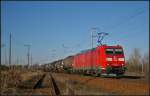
<point x="3" y="67"/>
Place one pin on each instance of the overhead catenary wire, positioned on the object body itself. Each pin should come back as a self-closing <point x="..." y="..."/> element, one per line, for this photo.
<point x="126" y="20"/>
<point x="18" y="42"/>
<point x="118" y="24"/>
<point x="21" y="44"/>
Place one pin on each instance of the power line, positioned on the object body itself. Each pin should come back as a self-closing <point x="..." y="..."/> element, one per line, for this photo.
<point x="126" y="20"/>
<point x="120" y="23"/>
<point x="20" y="43"/>
<point x="115" y="26"/>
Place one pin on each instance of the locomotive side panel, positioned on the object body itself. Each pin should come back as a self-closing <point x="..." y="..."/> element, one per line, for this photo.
<point x="102" y="58"/>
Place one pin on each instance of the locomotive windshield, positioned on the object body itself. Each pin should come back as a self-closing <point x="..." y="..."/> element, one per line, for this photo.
<point x="114" y="51"/>
<point x="118" y="51"/>
<point x="109" y="51"/>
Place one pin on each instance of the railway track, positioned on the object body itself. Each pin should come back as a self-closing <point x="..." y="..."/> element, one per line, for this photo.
<point x="50" y="84"/>
<point x="39" y="83"/>
<point x="57" y="89"/>
<point x="54" y="88"/>
<point x="45" y="85"/>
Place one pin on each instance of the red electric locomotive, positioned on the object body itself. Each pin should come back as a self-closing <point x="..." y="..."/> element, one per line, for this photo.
<point x="100" y="60"/>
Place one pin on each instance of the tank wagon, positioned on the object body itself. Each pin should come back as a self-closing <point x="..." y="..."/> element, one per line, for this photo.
<point x="67" y="64"/>
<point x="62" y="65"/>
<point x="56" y="66"/>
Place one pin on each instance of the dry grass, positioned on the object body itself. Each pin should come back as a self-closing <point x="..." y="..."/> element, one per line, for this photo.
<point x="12" y="78"/>
<point x="27" y="75"/>
<point x="9" y="80"/>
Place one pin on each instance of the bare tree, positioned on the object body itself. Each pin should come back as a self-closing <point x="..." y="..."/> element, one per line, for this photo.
<point x="135" y="61"/>
<point x="145" y="62"/>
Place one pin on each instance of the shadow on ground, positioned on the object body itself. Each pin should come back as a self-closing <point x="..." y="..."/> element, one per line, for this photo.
<point x="124" y="77"/>
<point x="132" y="77"/>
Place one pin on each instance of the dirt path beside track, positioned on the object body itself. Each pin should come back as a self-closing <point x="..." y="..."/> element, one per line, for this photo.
<point x="112" y="86"/>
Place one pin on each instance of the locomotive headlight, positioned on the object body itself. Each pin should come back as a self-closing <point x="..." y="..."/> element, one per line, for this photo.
<point x="109" y="59"/>
<point x="121" y="59"/>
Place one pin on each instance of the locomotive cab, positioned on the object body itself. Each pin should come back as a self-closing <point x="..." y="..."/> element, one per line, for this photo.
<point x="115" y="61"/>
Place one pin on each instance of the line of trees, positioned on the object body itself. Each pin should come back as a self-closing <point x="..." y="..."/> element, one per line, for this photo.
<point x="138" y="63"/>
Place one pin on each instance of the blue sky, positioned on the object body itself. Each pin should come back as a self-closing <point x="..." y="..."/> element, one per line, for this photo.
<point x="52" y="25"/>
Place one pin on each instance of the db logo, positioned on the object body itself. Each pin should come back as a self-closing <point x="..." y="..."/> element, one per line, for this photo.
<point x="115" y="59"/>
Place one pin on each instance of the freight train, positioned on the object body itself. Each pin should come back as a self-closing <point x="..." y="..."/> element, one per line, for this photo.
<point x="98" y="61"/>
